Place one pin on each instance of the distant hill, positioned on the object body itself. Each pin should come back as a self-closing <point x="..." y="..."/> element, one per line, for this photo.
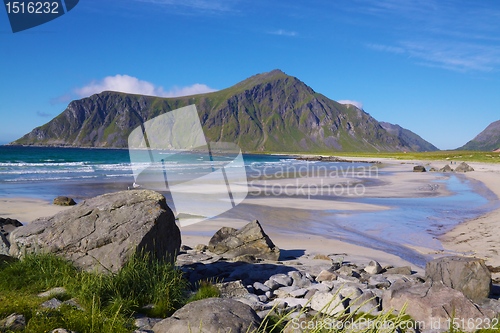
<point x="269" y="112"/>
<point x="412" y="139"/>
<point x="487" y="140"/>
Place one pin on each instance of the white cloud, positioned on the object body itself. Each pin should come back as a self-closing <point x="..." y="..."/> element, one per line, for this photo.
<point x="438" y="34"/>
<point x="282" y="32"/>
<point x="194" y="89"/>
<point x="386" y="48"/>
<point x="357" y="104"/>
<point x="132" y="85"/>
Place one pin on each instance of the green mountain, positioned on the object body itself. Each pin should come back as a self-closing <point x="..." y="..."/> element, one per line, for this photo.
<point x="269" y="112"/>
<point x="412" y="139"/>
<point x="487" y="140"/>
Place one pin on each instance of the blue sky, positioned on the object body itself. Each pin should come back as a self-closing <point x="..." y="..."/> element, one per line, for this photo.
<point x="430" y="66"/>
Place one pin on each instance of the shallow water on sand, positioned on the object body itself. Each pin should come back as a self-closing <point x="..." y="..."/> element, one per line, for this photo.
<point x="409" y="222"/>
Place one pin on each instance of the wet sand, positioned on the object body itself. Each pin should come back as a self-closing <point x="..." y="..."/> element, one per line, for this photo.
<point x="286" y="218"/>
<point x="479" y="237"/>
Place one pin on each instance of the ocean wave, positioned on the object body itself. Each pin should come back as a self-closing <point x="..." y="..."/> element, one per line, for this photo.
<point x="38" y="164"/>
<point x="27" y="179"/>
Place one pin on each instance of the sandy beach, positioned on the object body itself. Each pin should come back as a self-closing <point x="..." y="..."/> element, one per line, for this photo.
<point x="479" y="237"/>
<point x="475" y="237"/>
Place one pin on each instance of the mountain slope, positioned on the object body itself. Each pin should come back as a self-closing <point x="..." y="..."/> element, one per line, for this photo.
<point x="412" y="139"/>
<point x="487" y="140"/>
<point x="271" y="112"/>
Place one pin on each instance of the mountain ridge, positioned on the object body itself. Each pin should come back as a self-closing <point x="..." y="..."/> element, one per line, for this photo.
<point x="487" y="140"/>
<point x="414" y="140"/>
<point x="268" y="112"/>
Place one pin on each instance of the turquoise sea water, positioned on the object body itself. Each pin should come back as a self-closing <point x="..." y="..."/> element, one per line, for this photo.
<point x="45" y="173"/>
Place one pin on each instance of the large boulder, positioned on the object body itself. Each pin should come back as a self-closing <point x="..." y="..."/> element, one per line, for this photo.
<point x="468" y="275"/>
<point x="64" y="201"/>
<point x="419" y="168"/>
<point x="210" y="315"/>
<point x="104" y="232"/>
<point x="434" y="306"/>
<point x="446" y="168"/>
<point x="464" y="167"/>
<point x="249" y="240"/>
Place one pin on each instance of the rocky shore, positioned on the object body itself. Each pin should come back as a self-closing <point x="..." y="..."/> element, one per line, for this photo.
<point x="254" y="277"/>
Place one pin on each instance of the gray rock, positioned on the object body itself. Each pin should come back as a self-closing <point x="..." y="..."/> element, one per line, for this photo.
<point x="301" y="292"/>
<point x="464" y="167"/>
<point x="4" y="245"/>
<point x="373" y="267"/>
<point x="284" y="292"/>
<point x="282" y="279"/>
<point x="232" y="289"/>
<point x="349" y="271"/>
<point x="54" y="292"/>
<point x="7" y="225"/>
<point x="191" y="258"/>
<point x="379" y="281"/>
<point x="291" y="303"/>
<point x="405" y="270"/>
<point x="468" y="275"/>
<point x="211" y="315"/>
<point x="248" y="258"/>
<point x="300" y="280"/>
<point x="346" y="279"/>
<point x="327" y="303"/>
<point x="348" y="291"/>
<point x="325" y="275"/>
<point x="320" y="287"/>
<point x="271" y="284"/>
<point x="261" y="288"/>
<point x="432" y="303"/>
<point x="64" y="201"/>
<point x="52" y="303"/>
<point x="367" y="302"/>
<point x="254" y="302"/>
<point x="419" y="168"/>
<point x="249" y="240"/>
<point x="329" y="284"/>
<point x="61" y="330"/>
<point x="14" y="322"/>
<point x="446" y="168"/>
<point x="490" y="307"/>
<point x="146" y="323"/>
<point x="310" y="293"/>
<point x="104" y="232"/>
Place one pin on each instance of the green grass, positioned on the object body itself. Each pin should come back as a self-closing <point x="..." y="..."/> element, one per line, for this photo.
<point x="206" y="289"/>
<point x="109" y="301"/>
<point x="443" y="155"/>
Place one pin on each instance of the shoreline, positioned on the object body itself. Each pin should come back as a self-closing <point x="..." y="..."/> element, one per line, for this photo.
<point x="478" y="237"/>
<point x="471" y="237"/>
